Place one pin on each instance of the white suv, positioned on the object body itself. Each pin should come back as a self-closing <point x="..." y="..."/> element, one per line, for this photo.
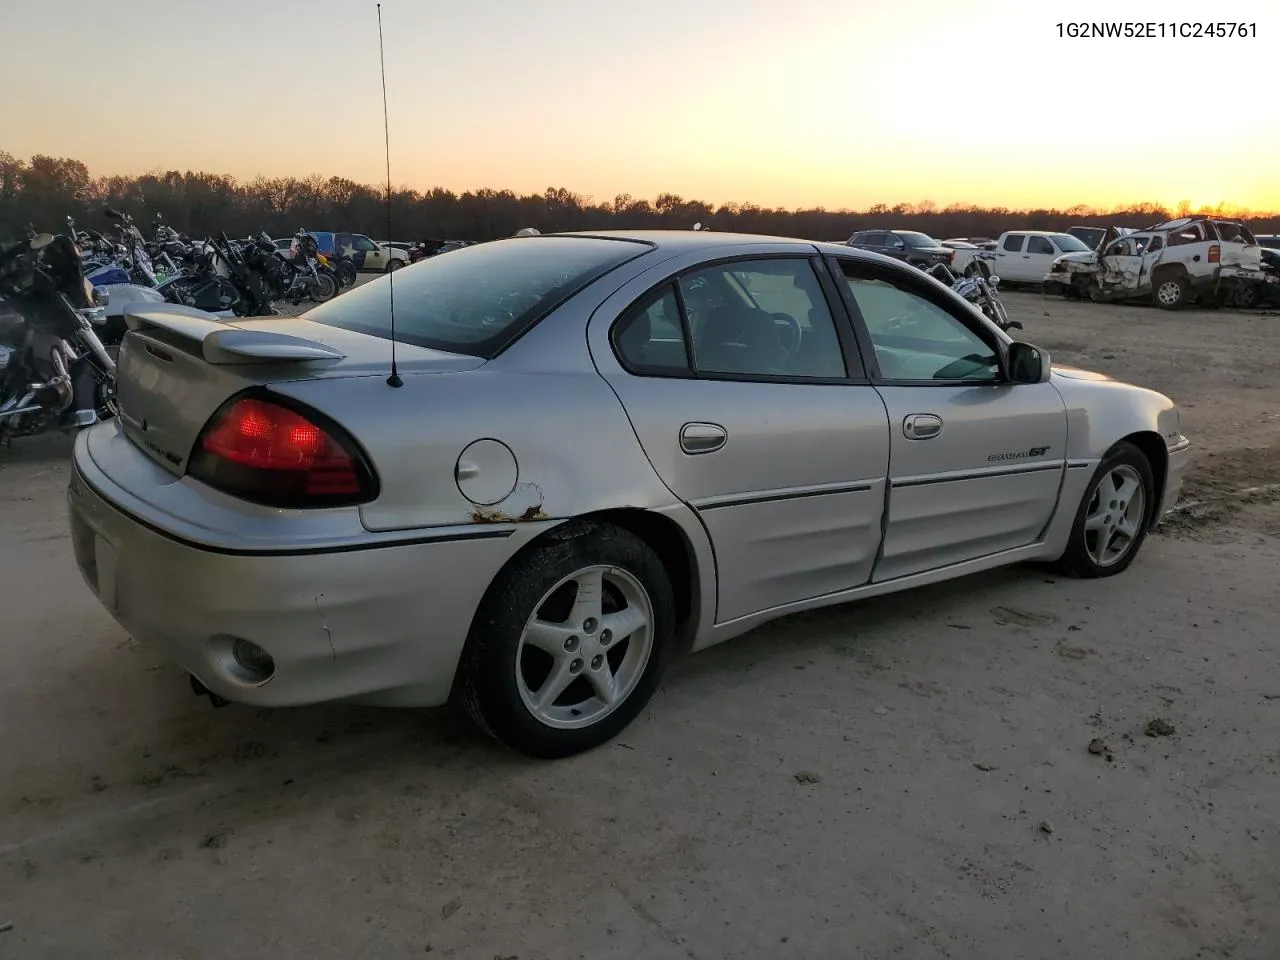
<point x="1207" y="259"/>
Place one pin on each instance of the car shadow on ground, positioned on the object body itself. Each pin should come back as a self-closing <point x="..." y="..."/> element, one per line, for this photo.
<point x="161" y="748"/>
<point x="46" y="448"/>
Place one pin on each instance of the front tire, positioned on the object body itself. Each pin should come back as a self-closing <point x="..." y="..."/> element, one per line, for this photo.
<point x="569" y="642"/>
<point x="1171" y="292"/>
<point x="1112" y="520"/>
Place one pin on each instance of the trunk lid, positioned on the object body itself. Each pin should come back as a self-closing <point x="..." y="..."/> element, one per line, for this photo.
<point x="177" y="366"/>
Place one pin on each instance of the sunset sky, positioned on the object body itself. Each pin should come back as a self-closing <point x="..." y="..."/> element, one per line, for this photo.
<point x="838" y="103"/>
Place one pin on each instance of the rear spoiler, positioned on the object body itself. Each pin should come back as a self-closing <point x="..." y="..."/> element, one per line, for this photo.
<point x="224" y="343"/>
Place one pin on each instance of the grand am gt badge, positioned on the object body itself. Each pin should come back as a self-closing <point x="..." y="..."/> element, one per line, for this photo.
<point x="1032" y="452"/>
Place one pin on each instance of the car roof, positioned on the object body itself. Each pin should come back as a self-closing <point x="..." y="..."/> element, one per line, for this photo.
<point x="675" y="242"/>
<point x="678" y="241"/>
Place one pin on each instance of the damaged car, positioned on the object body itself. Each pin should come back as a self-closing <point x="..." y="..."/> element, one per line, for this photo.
<point x="1192" y="259"/>
<point x="1095" y="238"/>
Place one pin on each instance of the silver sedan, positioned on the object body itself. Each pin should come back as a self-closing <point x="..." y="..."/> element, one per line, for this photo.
<point x="577" y="456"/>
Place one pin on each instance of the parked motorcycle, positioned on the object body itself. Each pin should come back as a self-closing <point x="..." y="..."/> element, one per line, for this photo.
<point x="107" y="266"/>
<point x="207" y="281"/>
<point x="978" y="286"/>
<point x="166" y="248"/>
<point x="56" y="372"/>
<point x="306" y="275"/>
<point x="141" y="269"/>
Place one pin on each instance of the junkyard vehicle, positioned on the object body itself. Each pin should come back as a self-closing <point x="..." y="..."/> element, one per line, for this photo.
<point x="1171" y="263"/>
<point x="1025" y="256"/>
<point x="369" y="255"/>
<point x="917" y="249"/>
<point x="594" y="452"/>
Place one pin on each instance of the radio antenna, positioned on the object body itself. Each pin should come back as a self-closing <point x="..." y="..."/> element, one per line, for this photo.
<point x="393" y="380"/>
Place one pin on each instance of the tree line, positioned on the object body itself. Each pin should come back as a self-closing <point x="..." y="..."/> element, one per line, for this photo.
<point x="43" y="191"/>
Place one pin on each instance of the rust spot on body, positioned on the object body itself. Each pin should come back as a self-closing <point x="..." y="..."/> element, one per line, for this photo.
<point x="479" y="515"/>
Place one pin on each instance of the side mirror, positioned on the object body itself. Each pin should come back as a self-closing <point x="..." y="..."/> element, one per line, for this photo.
<point x="101" y="296"/>
<point x="1026" y="364"/>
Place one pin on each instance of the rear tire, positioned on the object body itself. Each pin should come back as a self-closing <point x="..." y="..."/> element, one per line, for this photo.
<point x="325" y="288"/>
<point x="1244" y="296"/>
<point x="1110" y="527"/>
<point x="508" y="662"/>
<point x="394" y="265"/>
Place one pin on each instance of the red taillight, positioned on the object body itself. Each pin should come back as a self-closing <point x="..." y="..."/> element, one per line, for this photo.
<point x="268" y="452"/>
<point x="1215" y="253"/>
<point x="951" y="257"/>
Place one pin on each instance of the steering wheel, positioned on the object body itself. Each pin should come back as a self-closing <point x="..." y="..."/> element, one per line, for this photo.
<point x="794" y="332"/>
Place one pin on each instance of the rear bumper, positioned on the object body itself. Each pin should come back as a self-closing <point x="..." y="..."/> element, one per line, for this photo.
<point x="382" y="623"/>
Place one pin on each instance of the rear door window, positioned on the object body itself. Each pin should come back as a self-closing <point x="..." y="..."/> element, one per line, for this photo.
<point x="761" y="318"/>
<point x="1191" y="233"/>
<point x="1013" y="242"/>
<point x="746" y="319"/>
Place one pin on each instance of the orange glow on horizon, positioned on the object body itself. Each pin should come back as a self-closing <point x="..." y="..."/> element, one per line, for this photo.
<point x="839" y="104"/>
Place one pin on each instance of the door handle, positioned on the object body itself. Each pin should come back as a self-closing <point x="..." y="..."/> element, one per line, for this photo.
<point x="702" y="437"/>
<point x="921" y="426"/>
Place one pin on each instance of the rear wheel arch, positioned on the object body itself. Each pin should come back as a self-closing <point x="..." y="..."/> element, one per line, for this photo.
<point x="662" y="535"/>
<point x="666" y="538"/>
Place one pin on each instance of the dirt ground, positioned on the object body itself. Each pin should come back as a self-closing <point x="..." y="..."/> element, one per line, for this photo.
<point x="908" y="777"/>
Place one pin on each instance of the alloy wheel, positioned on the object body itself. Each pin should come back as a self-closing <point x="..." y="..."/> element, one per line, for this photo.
<point x="1117" y="510"/>
<point x="585" y="648"/>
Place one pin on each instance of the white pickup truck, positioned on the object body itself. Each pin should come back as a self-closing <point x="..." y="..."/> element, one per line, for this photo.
<point x="1209" y="260"/>
<point x="1025" y="256"/>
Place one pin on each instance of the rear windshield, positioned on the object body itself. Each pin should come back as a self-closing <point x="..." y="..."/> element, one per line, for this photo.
<point x="916" y="239"/>
<point x="477" y="299"/>
<point x="1088" y="235"/>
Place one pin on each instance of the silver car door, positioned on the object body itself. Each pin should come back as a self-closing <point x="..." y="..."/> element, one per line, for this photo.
<point x="976" y="462"/>
<point x="745" y="388"/>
